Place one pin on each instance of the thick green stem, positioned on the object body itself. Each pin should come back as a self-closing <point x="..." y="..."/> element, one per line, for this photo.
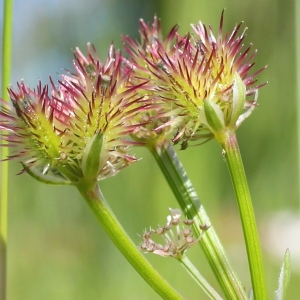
<point x="6" y="69"/>
<point x="105" y="216"/>
<point x="233" y="157"/>
<point x="190" y="204"/>
<point x="201" y="281"/>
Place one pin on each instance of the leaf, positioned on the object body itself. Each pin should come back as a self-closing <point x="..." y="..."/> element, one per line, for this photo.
<point x="284" y="276"/>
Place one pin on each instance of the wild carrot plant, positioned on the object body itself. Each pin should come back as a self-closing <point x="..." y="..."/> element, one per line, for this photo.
<point x="169" y="90"/>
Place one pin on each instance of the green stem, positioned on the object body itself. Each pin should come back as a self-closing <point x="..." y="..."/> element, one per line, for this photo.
<point x="6" y="69"/>
<point x="190" y="204"/>
<point x="201" y="281"/>
<point x="297" y="87"/>
<point x="105" y="216"/>
<point x="233" y="157"/>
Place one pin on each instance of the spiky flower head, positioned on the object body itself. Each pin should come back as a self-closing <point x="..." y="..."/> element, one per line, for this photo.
<point x="32" y="126"/>
<point x="203" y="80"/>
<point x="151" y="39"/>
<point x="79" y="131"/>
<point x="140" y="53"/>
<point x="177" y="236"/>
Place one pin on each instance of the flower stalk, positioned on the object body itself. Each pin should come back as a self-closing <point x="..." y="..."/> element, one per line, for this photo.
<point x="201" y="281"/>
<point x="192" y="207"/>
<point x="233" y="157"/>
<point x="105" y="216"/>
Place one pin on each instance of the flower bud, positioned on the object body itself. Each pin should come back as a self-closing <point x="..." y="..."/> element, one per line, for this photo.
<point x="177" y="235"/>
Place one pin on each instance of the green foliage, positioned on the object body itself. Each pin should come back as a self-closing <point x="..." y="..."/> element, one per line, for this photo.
<point x="284" y="277"/>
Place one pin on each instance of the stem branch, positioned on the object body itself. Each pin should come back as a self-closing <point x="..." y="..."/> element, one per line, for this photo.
<point x="105" y="216"/>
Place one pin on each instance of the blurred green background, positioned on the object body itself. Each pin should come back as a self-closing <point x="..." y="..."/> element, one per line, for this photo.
<point x="56" y="248"/>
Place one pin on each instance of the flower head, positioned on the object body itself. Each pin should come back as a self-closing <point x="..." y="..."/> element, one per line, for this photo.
<point x="204" y="81"/>
<point x="151" y="41"/>
<point x="80" y="131"/>
<point x="141" y="53"/>
<point x="177" y="235"/>
<point x="32" y="127"/>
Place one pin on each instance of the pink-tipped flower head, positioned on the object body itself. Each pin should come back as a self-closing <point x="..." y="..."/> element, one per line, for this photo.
<point x="82" y="131"/>
<point x="140" y="54"/>
<point x="205" y="82"/>
<point x="148" y="46"/>
<point x="32" y="127"/>
<point x="100" y="101"/>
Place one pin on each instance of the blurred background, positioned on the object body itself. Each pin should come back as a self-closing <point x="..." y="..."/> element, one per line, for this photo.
<point x="56" y="248"/>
